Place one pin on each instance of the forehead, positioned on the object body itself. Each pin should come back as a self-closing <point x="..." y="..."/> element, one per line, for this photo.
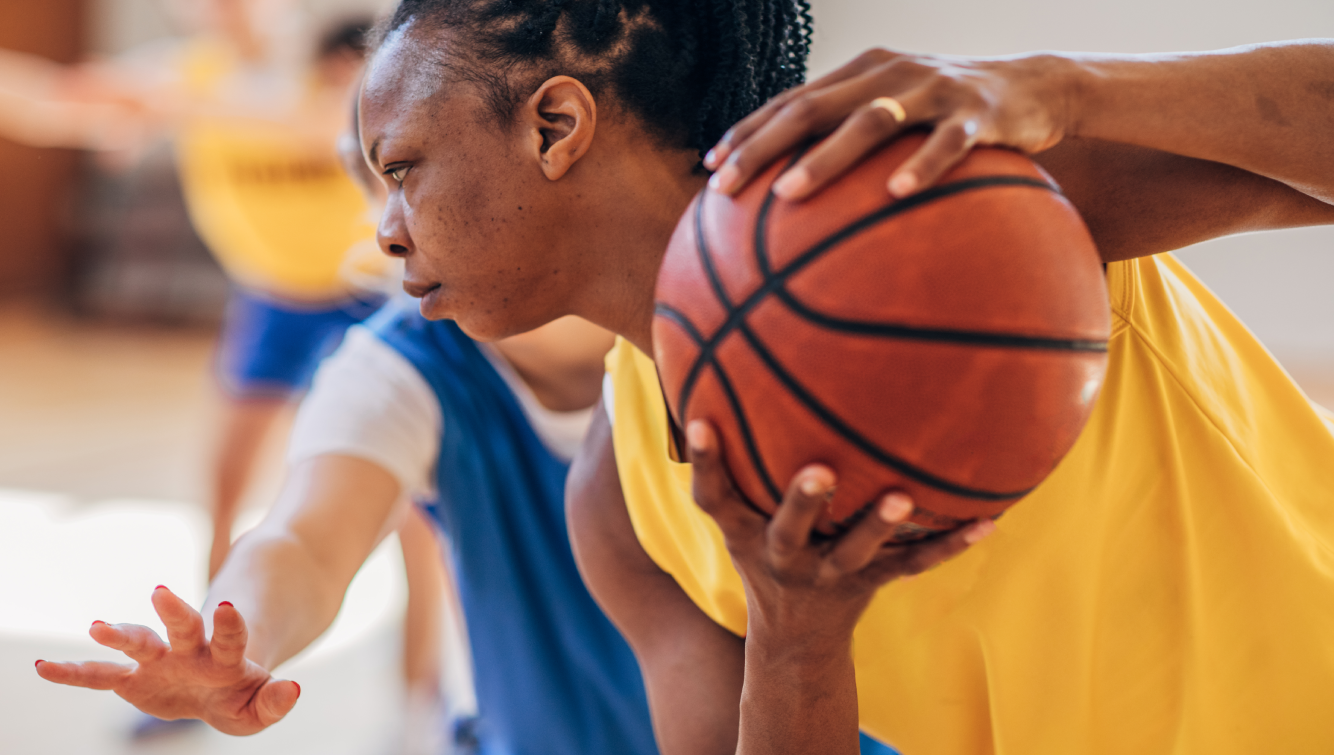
<point x="405" y="80"/>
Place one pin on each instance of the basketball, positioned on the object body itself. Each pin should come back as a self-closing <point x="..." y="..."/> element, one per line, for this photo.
<point x="950" y="344"/>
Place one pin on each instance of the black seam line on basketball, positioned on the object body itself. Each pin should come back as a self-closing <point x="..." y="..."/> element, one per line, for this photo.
<point x="743" y="424"/>
<point x="857" y="439"/>
<point x="773" y="281"/>
<point x="706" y="259"/>
<point x="936" y="335"/>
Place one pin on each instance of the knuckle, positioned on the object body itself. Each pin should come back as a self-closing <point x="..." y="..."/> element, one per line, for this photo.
<point x="802" y="110"/>
<point x="873" y="56"/>
<point x="873" y="122"/>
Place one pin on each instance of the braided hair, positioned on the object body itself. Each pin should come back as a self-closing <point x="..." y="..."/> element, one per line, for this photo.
<point x="690" y="69"/>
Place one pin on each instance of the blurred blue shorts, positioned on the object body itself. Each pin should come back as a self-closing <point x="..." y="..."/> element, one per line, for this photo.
<point x="873" y="747"/>
<point x="270" y="347"/>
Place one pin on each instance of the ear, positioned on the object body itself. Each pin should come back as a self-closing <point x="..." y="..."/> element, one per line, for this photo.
<point x="559" y="120"/>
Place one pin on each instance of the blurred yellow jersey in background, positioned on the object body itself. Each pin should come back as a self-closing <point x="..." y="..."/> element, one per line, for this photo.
<point x="273" y="204"/>
<point x="1168" y="590"/>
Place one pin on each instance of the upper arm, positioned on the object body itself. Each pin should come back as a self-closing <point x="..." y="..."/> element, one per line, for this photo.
<point x="1139" y="201"/>
<point x="692" y="667"/>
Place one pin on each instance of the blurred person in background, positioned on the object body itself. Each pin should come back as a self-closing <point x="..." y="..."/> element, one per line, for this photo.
<point x="255" y="109"/>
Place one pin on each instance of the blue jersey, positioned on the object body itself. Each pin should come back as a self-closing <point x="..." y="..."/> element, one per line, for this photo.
<point x="553" y="676"/>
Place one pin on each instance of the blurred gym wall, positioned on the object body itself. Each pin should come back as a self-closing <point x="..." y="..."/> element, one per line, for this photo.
<point x="35" y="184"/>
<point x="1281" y="284"/>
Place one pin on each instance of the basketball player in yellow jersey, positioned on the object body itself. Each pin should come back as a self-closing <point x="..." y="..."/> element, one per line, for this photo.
<point x="254" y="113"/>
<point x="1166" y="591"/>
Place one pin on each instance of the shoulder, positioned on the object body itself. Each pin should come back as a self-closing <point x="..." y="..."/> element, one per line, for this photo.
<point x="369" y="401"/>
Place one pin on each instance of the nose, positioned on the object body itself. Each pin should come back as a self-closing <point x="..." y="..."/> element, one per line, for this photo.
<point x="392" y="234"/>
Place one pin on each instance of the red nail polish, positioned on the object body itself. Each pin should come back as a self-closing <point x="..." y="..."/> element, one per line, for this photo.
<point x="38" y="664"/>
<point x="227" y="603"/>
<point x="99" y="621"/>
<point x="159" y="587"/>
<point x="298" y="687"/>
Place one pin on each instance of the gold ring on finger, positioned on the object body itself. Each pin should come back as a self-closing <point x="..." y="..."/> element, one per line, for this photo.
<point x="892" y="106"/>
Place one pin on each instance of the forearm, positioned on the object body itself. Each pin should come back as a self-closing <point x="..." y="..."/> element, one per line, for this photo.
<point x="1267" y="109"/>
<point x="1140" y="201"/>
<point x="44" y="104"/>
<point x="798" y="697"/>
<point x="280" y="586"/>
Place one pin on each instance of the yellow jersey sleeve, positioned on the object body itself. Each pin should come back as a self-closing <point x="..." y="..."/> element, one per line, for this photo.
<point x="1169" y="589"/>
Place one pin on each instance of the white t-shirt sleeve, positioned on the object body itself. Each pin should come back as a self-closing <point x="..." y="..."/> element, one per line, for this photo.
<point x="368" y="401"/>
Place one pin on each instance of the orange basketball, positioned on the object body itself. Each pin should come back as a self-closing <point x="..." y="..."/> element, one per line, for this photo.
<point x="950" y="345"/>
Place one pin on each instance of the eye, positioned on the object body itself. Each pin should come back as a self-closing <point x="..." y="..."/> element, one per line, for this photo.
<point x="398" y="172"/>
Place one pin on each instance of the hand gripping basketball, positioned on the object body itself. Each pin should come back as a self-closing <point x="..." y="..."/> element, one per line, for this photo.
<point x="1019" y="102"/>
<point x="189" y="676"/>
<point x="801" y="587"/>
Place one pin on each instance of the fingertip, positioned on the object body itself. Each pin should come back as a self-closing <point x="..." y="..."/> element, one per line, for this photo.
<point x="895" y="507"/>
<point x="816" y="479"/>
<point x="298" y="689"/>
<point x="700" y="436"/>
<point x="724" y="181"/>
<point x="978" y="530"/>
<point x="227" y="603"/>
<point x="715" y="156"/>
<point x="793" y="184"/>
<point x="902" y="184"/>
<point x="38" y="664"/>
<point x="160" y="587"/>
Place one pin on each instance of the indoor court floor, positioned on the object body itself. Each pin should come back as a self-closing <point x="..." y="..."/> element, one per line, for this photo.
<point x="104" y="435"/>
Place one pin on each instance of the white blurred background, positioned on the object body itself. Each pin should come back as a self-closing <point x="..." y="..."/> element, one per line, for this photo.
<point x="105" y="413"/>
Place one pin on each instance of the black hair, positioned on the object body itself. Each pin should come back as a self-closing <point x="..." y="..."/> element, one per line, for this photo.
<point x="690" y="69"/>
<point x="350" y="36"/>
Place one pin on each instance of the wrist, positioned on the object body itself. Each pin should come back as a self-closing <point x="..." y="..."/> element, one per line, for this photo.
<point x="1066" y="80"/>
<point x="809" y="647"/>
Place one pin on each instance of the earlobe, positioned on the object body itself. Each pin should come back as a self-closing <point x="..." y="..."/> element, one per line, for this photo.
<point x="560" y="119"/>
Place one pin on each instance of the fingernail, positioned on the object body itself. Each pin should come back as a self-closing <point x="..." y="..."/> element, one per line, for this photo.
<point x="227" y="603"/>
<point x="697" y="434"/>
<point x="38" y="664"/>
<point x="711" y="159"/>
<point x="896" y="507"/>
<point x="902" y="184"/>
<point x="814" y="484"/>
<point x="298" y="689"/>
<point x="792" y="183"/>
<point x="979" y="531"/>
<point x="725" y="178"/>
<point x="159" y="587"/>
<point x="99" y="621"/>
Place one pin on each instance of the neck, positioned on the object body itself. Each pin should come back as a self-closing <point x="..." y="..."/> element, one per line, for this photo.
<point x="640" y="207"/>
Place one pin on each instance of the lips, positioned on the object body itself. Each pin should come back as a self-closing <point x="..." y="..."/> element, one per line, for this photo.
<point x="419" y="290"/>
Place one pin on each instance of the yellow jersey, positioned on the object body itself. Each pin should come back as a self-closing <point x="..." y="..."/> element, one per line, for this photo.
<point x="277" y="210"/>
<point x="1168" y="589"/>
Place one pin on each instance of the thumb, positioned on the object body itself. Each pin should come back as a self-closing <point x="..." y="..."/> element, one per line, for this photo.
<point x="275" y="700"/>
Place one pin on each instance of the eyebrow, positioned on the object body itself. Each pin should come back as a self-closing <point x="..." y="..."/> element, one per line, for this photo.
<point x="374" y="153"/>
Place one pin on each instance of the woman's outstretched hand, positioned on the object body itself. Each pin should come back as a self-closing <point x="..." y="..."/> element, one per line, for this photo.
<point x="189" y="676"/>
<point x="1015" y="102"/>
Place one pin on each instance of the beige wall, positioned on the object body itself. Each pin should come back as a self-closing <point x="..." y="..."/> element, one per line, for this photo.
<point x="1282" y="284"/>
<point x="118" y="25"/>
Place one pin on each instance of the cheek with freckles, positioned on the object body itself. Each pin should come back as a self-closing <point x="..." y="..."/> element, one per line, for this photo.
<point x="480" y="238"/>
